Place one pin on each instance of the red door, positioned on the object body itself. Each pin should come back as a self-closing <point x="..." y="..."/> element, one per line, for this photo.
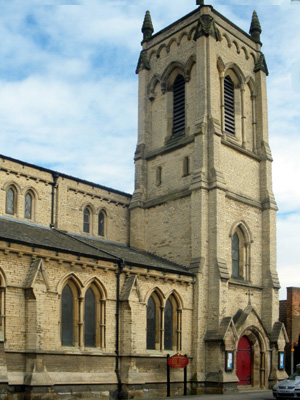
<point x="243" y="361"/>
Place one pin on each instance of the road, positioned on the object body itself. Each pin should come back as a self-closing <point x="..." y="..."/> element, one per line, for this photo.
<point x="240" y="395"/>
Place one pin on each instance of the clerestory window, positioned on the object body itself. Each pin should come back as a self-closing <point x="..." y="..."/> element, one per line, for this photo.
<point x="28" y="206"/>
<point x="86" y="220"/>
<point x="11" y="197"/>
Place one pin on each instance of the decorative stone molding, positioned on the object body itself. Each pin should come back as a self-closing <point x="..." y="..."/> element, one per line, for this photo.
<point x="207" y="27"/>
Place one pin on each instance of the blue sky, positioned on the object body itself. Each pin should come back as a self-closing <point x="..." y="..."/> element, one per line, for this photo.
<point x="68" y="91"/>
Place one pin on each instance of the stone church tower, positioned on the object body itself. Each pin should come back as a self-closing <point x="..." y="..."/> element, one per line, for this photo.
<point x="203" y="189"/>
<point x="98" y="287"/>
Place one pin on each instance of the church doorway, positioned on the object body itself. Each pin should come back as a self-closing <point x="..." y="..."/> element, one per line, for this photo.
<point x="244" y="361"/>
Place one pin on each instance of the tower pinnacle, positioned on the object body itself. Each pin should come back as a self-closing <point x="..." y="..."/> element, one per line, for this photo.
<point x="200" y="2"/>
<point x="147" y="27"/>
<point x="255" y="28"/>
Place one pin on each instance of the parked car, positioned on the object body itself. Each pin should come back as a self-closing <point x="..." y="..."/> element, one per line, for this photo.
<point x="289" y="388"/>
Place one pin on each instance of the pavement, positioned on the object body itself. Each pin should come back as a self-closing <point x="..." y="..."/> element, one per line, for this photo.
<point x="240" y="395"/>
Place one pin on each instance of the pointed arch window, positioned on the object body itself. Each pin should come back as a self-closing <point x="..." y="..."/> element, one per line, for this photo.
<point x="28" y="206"/>
<point x="172" y="324"/>
<point x="67" y="316"/>
<point x="178" y="106"/>
<point x="10" y="207"/>
<point x="154" y="322"/>
<point x="240" y="253"/>
<point x="101" y="223"/>
<point x="151" y="323"/>
<point x="229" y="111"/>
<point x="235" y="255"/>
<point x="86" y="220"/>
<point x="90" y="319"/>
<point x="163" y="324"/>
<point x="168" y="325"/>
<point x="94" y="317"/>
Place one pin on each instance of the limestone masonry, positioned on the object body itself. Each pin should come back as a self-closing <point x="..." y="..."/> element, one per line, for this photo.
<point x="97" y="286"/>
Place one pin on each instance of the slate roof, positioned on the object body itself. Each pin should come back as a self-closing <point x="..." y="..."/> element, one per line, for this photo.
<point x="42" y="237"/>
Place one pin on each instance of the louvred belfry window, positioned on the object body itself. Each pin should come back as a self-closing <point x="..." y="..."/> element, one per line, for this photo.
<point x="178" y="106"/>
<point x="229" y="105"/>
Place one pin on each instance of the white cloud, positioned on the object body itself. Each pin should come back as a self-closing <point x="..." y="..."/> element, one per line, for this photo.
<point x="69" y="92"/>
<point x="288" y="252"/>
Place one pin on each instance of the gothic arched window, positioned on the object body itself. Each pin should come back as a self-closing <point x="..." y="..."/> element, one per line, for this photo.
<point x="229" y="111"/>
<point x="86" y="220"/>
<point x="10" y="207"/>
<point x="235" y="255"/>
<point x="67" y="316"/>
<point x="240" y="252"/>
<point x="178" y="106"/>
<point x="151" y="323"/>
<point x="28" y="206"/>
<point x="172" y="324"/>
<point x="168" y="345"/>
<point x="90" y="319"/>
<point x="101" y="222"/>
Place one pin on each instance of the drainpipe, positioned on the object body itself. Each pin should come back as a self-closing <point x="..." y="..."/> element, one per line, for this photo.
<point x="55" y="176"/>
<point x="121" y="266"/>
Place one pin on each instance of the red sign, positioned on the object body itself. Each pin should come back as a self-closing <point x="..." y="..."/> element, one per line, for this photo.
<point x="178" y="361"/>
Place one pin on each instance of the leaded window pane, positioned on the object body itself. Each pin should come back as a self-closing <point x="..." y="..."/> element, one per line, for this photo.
<point x="90" y="319"/>
<point x="235" y="255"/>
<point x="67" y="325"/>
<point x="101" y="224"/>
<point x="151" y="325"/>
<point x="10" y="202"/>
<point x="168" y="325"/>
<point x="86" y="220"/>
<point x="28" y="206"/>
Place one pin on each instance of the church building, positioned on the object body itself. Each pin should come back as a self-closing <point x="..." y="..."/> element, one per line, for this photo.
<point x="98" y="287"/>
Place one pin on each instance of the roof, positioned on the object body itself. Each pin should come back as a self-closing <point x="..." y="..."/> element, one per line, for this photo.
<point x="52" y="239"/>
<point x="196" y="11"/>
<point x="59" y="174"/>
